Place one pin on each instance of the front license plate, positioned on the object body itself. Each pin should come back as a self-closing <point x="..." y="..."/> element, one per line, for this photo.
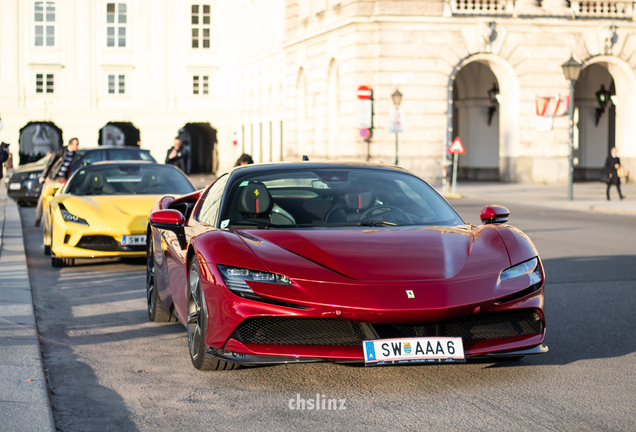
<point x="15" y="186"/>
<point x="413" y="350"/>
<point x="133" y="240"/>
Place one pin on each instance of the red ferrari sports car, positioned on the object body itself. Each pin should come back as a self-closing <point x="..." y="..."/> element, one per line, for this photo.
<point x="305" y="262"/>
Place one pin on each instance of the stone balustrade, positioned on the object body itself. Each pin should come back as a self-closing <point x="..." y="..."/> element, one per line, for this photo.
<point x="482" y="7"/>
<point x="578" y="9"/>
<point x="603" y="9"/>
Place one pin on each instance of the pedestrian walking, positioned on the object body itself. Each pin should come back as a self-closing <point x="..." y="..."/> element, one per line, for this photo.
<point x="57" y="168"/>
<point x="177" y="155"/>
<point x="612" y="165"/>
<point x="244" y="159"/>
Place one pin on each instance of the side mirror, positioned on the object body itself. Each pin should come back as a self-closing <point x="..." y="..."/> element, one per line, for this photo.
<point x="494" y="214"/>
<point x="169" y="220"/>
<point x="52" y="189"/>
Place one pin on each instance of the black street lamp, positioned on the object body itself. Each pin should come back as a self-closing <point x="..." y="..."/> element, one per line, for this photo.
<point x="603" y="97"/>
<point x="397" y="100"/>
<point x="571" y="70"/>
<point x="493" y="97"/>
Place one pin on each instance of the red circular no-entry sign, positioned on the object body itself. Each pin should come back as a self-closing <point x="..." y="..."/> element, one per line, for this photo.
<point x="364" y="92"/>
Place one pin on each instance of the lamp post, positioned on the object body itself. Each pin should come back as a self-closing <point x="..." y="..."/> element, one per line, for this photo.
<point x="571" y="70"/>
<point x="397" y="100"/>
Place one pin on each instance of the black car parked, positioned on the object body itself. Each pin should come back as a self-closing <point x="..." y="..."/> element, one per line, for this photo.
<point x="24" y="186"/>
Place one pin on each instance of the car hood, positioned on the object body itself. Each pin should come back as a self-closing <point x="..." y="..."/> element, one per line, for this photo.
<point x="381" y="255"/>
<point x="111" y="210"/>
<point x="33" y="166"/>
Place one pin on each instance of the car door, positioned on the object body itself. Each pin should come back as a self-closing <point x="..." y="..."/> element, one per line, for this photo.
<point x="205" y="219"/>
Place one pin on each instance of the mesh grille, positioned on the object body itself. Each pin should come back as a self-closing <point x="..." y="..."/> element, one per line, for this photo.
<point x="491" y="326"/>
<point x="107" y="244"/>
<point x="317" y="331"/>
<point x="300" y="331"/>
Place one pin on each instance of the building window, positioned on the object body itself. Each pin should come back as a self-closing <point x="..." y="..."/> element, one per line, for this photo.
<point x="44" y="83"/>
<point x="44" y="19"/>
<point x="200" y="26"/>
<point x="116" y="21"/>
<point x="200" y="85"/>
<point x="116" y="84"/>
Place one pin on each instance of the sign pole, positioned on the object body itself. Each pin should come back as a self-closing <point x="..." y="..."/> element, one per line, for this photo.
<point x="396" y="149"/>
<point x="455" y="157"/>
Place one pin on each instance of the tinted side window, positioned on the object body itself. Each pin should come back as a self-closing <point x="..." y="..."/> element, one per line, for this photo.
<point x="89" y="158"/>
<point x="122" y="154"/>
<point x="209" y="212"/>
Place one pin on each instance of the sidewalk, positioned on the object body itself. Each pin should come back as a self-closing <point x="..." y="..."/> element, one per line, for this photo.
<point x="24" y="397"/>
<point x="587" y="196"/>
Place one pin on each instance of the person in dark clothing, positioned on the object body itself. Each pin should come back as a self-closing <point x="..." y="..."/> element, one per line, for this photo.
<point x="56" y="169"/>
<point x="177" y="155"/>
<point x="245" y="159"/>
<point x="612" y="164"/>
<point x="4" y="156"/>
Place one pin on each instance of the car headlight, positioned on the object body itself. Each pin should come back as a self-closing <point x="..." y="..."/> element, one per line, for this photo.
<point x="530" y="267"/>
<point x="35" y="175"/>
<point x="236" y="278"/>
<point x="69" y="217"/>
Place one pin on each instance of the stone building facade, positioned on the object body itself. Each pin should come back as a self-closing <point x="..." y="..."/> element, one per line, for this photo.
<point x="444" y="56"/>
<point x="278" y="79"/>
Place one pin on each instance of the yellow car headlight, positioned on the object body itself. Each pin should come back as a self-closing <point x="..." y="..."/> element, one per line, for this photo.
<point x="69" y="217"/>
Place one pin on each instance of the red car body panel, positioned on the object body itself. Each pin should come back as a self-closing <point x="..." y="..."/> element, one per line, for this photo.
<point x="358" y="275"/>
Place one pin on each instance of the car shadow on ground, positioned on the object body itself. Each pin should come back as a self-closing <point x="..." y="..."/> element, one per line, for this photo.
<point x="590" y="316"/>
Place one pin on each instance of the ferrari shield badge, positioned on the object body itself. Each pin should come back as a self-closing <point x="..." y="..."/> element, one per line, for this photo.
<point x="410" y="294"/>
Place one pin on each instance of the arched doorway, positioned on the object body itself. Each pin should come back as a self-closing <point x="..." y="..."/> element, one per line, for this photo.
<point x="37" y="139"/>
<point x="200" y="140"/>
<point x="595" y="120"/>
<point x="623" y="104"/>
<point x="119" y="134"/>
<point x="476" y="122"/>
<point x="506" y="134"/>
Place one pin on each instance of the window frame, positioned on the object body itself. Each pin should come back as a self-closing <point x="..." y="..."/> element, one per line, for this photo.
<point x="200" y="83"/>
<point x="46" y="76"/>
<point x="200" y="27"/>
<point x="117" y="84"/>
<point x="117" y="26"/>
<point x="44" y="24"/>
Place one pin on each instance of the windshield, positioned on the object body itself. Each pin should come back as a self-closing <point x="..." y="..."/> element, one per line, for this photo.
<point x="335" y="197"/>
<point x="128" y="179"/>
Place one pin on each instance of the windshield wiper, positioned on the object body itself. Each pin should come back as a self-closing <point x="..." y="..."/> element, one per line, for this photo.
<point x="377" y="224"/>
<point x="259" y="225"/>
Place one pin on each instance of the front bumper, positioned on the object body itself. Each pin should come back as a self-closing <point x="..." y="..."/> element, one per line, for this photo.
<point x="308" y="332"/>
<point x="29" y="190"/>
<point x="71" y="240"/>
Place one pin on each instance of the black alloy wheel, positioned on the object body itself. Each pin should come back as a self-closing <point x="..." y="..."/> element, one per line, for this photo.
<point x="55" y="261"/>
<point x="198" y="326"/>
<point x="156" y="311"/>
<point x="47" y="248"/>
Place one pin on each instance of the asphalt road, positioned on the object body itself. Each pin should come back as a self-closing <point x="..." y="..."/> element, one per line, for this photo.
<point x="110" y="369"/>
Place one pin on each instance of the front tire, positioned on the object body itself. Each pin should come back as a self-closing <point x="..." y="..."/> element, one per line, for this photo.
<point x="156" y="311"/>
<point x="198" y="326"/>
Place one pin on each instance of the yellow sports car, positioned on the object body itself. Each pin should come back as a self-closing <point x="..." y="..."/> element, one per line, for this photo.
<point x="102" y="210"/>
